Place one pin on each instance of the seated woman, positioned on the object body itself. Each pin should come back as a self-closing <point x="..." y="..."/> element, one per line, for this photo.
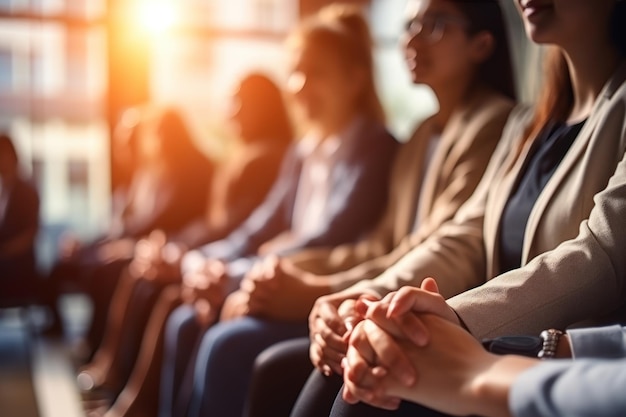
<point x="544" y="227"/>
<point x="260" y="122"/>
<point x="19" y="224"/>
<point x="335" y="195"/>
<point x="456" y="375"/>
<point x="165" y="192"/>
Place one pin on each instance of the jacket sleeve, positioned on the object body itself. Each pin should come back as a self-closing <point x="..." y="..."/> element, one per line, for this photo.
<point x="266" y="222"/>
<point x="598" y="342"/>
<point x="455" y="252"/>
<point x="183" y="199"/>
<point x="359" y="194"/>
<point x="253" y="185"/>
<point x="573" y="389"/>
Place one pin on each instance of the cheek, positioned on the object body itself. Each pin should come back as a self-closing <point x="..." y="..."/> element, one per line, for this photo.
<point x="449" y="62"/>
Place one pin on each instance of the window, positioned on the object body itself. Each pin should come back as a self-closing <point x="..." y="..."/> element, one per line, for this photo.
<point x="53" y="102"/>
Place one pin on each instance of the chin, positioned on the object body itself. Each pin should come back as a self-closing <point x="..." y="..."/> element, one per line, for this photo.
<point x="539" y="34"/>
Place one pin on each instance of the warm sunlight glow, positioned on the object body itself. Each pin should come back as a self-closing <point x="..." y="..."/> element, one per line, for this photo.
<point x="157" y="16"/>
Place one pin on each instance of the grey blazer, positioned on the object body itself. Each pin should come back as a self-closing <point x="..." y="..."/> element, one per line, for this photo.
<point x="573" y="260"/>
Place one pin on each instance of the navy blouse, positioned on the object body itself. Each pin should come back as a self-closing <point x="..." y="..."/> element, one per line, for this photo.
<point x="545" y="156"/>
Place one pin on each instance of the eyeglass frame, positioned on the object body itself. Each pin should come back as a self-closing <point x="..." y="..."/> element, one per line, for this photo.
<point x="440" y="22"/>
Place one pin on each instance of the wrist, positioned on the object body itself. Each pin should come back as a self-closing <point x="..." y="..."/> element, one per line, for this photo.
<point x="488" y="388"/>
<point x="551" y="338"/>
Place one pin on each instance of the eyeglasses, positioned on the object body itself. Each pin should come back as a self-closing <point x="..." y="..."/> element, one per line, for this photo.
<point x="432" y="28"/>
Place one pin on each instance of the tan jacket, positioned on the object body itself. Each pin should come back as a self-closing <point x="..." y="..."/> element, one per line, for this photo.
<point x="458" y="163"/>
<point x="574" y="254"/>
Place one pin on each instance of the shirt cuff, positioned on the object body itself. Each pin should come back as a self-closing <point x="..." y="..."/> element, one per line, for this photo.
<point x="600" y="342"/>
<point x="531" y="392"/>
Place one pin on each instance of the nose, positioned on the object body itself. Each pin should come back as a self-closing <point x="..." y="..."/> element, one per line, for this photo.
<point x="413" y="41"/>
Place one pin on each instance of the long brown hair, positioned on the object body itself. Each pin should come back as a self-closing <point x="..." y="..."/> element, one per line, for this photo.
<point x="341" y="29"/>
<point x="262" y="94"/>
<point x="557" y="95"/>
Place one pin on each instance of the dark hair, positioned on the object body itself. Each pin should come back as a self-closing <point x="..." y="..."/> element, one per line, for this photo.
<point x="617" y="26"/>
<point x="342" y="29"/>
<point x="7" y="146"/>
<point x="177" y="146"/>
<point x="261" y="93"/>
<point x="497" y="70"/>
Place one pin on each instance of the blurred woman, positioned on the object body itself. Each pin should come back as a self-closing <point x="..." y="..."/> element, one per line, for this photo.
<point x="167" y="190"/>
<point x="339" y="192"/>
<point x="19" y="224"/>
<point x="260" y="120"/>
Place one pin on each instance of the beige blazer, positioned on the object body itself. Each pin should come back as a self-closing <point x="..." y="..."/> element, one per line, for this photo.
<point x="434" y="194"/>
<point x="574" y="255"/>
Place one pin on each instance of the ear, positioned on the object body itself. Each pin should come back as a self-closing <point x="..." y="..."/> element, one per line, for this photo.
<point x="483" y="45"/>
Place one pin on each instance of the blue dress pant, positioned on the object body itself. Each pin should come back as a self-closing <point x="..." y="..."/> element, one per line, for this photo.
<point x="225" y="360"/>
<point x="182" y="334"/>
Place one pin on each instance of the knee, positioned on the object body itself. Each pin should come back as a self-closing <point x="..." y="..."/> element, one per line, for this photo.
<point x="181" y="322"/>
<point x="222" y="341"/>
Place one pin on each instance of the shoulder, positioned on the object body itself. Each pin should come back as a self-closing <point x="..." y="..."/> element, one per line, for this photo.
<point x="373" y="138"/>
<point x="614" y="94"/>
<point x="487" y="108"/>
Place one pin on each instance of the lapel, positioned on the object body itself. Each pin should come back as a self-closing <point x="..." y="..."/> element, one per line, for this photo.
<point x="569" y="162"/>
<point x="408" y="193"/>
<point x="451" y="136"/>
<point x="430" y="176"/>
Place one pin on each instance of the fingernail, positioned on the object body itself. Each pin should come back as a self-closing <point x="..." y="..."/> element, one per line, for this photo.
<point x="326" y="370"/>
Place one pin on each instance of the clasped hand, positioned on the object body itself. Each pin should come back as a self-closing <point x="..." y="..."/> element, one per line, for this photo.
<point x="388" y="350"/>
<point x="278" y="290"/>
<point x="205" y="288"/>
<point x="156" y="259"/>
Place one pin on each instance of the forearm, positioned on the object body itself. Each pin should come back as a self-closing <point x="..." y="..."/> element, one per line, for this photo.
<point x="461" y="382"/>
<point x="456" y="264"/>
<point x="600" y="342"/>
